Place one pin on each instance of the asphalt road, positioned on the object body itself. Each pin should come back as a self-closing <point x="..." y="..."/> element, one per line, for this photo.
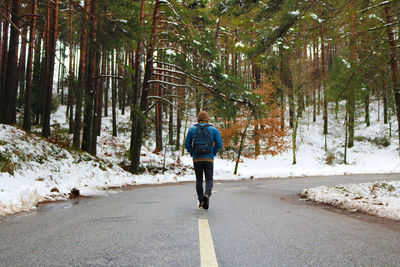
<point x="252" y="223"/>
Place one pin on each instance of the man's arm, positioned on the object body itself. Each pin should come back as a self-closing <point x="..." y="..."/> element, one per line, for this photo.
<point x="188" y="142"/>
<point x="218" y="141"/>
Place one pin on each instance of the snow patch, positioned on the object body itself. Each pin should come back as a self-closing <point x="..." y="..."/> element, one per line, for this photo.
<point x="377" y="198"/>
<point x="315" y="17"/>
<point x="170" y="52"/>
<point x="239" y="44"/>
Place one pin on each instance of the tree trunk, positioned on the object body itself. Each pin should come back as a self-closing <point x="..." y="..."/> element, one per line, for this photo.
<point x="393" y="65"/>
<point x="94" y="81"/>
<point x="197" y="100"/>
<point x="351" y="107"/>
<point x="158" y="118"/>
<point x="325" y="115"/>
<point x="97" y="107"/>
<point x="255" y="84"/>
<point x="71" y="78"/>
<point x="8" y="111"/>
<point x="135" y="109"/>
<point x="281" y="89"/>
<point x="179" y="119"/>
<point x="351" y="99"/>
<point x="315" y="83"/>
<point x="107" y="85"/>
<point x="121" y="85"/>
<point x="36" y="79"/>
<point x="346" y="131"/>
<point x="91" y="90"/>
<point x="141" y="119"/>
<point x="286" y="77"/>
<point x="217" y="30"/>
<point x="257" y="147"/>
<point x="366" y="102"/>
<point x="2" y="22"/>
<point x="336" y="109"/>
<point x="179" y="115"/>
<point x="171" y="124"/>
<point x="300" y="91"/>
<point x="114" y="94"/>
<point x="45" y="63"/>
<point x="52" y="14"/>
<point x="171" y="116"/>
<point x="294" y="141"/>
<point x="22" y="63"/>
<point x="62" y="74"/>
<point x="282" y="109"/>
<point x="235" y="56"/>
<point x="102" y="84"/>
<point x="81" y="77"/>
<point x="385" y="103"/>
<point x="3" y="70"/>
<point x="28" y="91"/>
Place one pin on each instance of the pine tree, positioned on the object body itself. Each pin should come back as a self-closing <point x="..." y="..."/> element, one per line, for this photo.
<point x="10" y="86"/>
<point x="28" y="91"/>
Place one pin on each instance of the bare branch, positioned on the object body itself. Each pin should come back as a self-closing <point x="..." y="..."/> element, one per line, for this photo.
<point x="168" y="76"/>
<point x="168" y="83"/>
<point x="169" y="70"/>
<point x="377" y="5"/>
<point x="384" y="26"/>
<point x="167" y="101"/>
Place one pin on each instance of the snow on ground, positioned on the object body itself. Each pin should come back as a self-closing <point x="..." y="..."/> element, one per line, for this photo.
<point x="377" y="198"/>
<point x="44" y="171"/>
<point x="37" y="170"/>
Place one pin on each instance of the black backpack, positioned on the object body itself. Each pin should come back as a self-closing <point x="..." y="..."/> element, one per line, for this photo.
<point x="202" y="140"/>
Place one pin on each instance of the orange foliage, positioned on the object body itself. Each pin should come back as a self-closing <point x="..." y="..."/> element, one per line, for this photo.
<point x="264" y="130"/>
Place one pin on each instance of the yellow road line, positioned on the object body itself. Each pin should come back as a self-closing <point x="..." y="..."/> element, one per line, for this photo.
<point x="207" y="253"/>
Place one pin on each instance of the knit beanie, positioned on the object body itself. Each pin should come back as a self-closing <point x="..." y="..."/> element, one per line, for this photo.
<point x="203" y="116"/>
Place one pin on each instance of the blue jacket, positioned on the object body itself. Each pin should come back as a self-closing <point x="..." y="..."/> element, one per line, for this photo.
<point x="216" y="137"/>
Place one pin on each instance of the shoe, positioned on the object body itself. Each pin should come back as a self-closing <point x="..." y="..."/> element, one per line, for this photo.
<point x="200" y="204"/>
<point x="206" y="202"/>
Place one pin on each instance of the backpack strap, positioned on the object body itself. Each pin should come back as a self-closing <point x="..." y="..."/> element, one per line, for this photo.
<point x="202" y="126"/>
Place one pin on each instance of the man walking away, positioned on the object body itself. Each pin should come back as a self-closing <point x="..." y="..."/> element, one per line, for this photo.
<point x="203" y="142"/>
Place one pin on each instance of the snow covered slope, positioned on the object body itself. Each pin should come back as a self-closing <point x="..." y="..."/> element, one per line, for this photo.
<point x="34" y="170"/>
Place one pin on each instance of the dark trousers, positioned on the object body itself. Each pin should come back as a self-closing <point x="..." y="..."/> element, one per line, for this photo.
<point x="207" y="168"/>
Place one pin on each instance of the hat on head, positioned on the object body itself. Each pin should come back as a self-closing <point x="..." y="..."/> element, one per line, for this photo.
<point x="203" y="116"/>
